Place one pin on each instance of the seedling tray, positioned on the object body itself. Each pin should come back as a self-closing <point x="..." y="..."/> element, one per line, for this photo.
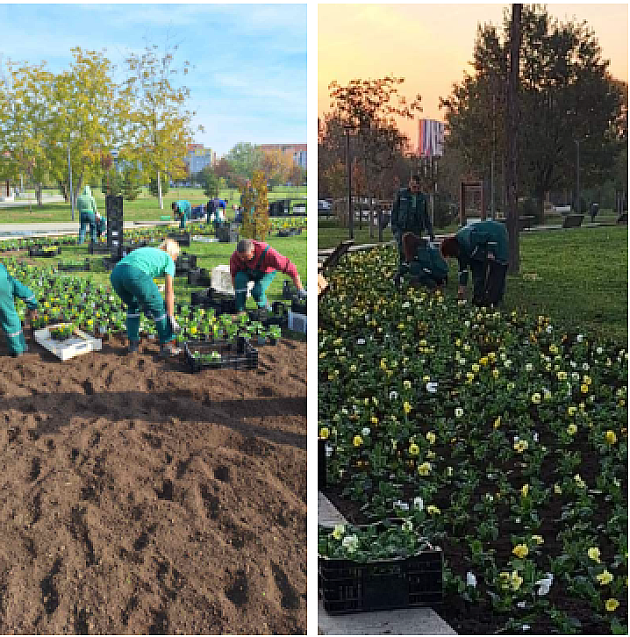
<point x="79" y="343"/>
<point x="37" y="251"/>
<point x="222" y="304"/>
<point x="182" y="238"/>
<point x="74" y="267"/>
<point x="233" y="355"/>
<point x="351" y="587"/>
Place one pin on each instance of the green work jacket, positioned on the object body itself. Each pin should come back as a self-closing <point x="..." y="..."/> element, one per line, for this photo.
<point x="478" y="240"/>
<point x="407" y="217"/>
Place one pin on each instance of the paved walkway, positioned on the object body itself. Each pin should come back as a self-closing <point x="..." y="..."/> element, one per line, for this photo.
<point x="408" y="621"/>
<point x="27" y="230"/>
<point x="24" y="201"/>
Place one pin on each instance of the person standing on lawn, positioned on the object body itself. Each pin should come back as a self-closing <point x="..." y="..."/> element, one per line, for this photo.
<point x="257" y="261"/>
<point x="132" y="279"/>
<point x="87" y="214"/>
<point x="482" y="247"/>
<point x="409" y="214"/>
<point x="9" y="319"/>
<point x="182" y="210"/>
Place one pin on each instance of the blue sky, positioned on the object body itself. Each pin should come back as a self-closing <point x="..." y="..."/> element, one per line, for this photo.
<point x="248" y="83"/>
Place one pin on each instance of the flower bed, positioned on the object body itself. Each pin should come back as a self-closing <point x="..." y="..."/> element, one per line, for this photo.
<point x="500" y="436"/>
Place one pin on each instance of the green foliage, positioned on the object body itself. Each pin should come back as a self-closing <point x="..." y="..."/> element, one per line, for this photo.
<point x="244" y="159"/>
<point x="210" y="181"/>
<point x="131" y="183"/>
<point x="111" y="183"/>
<point x="153" y="186"/>
<point x="256" y="221"/>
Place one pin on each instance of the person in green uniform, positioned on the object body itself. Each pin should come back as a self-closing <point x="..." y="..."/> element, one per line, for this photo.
<point x="481" y="247"/>
<point x="182" y="210"/>
<point x="101" y="225"/>
<point x="9" y="319"/>
<point x="132" y="279"/>
<point x="87" y="214"/>
<point x="409" y="214"/>
<point x="424" y="263"/>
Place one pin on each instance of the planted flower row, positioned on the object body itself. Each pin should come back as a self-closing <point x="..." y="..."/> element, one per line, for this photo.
<point x="501" y="436"/>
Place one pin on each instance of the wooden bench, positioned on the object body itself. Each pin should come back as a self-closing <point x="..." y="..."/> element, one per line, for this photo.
<point x="334" y="257"/>
<point x="526" y="221"/>
<point x="572" y="221"/>
<point x="623" y="218"/>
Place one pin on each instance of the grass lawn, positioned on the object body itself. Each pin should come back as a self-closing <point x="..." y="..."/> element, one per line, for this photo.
<point x="209" y="255"/>
<point x="577" y="276"/>
<point x="144" y="208"/>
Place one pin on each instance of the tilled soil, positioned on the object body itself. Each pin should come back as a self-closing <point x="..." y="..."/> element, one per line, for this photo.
<point x="136" y="497"/>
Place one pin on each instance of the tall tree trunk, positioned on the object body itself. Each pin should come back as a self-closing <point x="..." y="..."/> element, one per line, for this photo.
<point x="512" y="129"/>
<point x="38" y="193"/>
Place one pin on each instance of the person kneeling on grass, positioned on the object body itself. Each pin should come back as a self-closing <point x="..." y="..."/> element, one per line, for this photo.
<point x="424" y="263"/>
<point x="9" y="319"/>
<point x="482" y="247"/>
<point x="182" y="211"/>
<point x="132" y="279"/>
<point x="258" y="261"/>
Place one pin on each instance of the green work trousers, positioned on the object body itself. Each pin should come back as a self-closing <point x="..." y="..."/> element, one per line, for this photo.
<point x="138" y="290"/>
<point x="182" y="220"/>
<point x="87" y="219"/>
<point x="9" y="319"/>
<point x="262" y="280"/>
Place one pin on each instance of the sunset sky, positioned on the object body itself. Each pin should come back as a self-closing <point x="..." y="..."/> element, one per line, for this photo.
<point x="430" y="45"/>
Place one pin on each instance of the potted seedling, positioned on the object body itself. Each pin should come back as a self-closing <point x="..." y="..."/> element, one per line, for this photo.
<point x="62" y="331"/>
<point x="274" y="334"/>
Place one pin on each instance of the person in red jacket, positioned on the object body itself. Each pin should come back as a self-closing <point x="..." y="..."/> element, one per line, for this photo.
<point x="257" y="261"/>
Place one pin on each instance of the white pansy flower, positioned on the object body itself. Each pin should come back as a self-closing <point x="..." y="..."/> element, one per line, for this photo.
<point x="360" y="341"/>
<point x="544" y="584"/>
<point x="407" y="526"/>
<point x="365" y="431"/>
<point x="459" y="412"/>
<point x="350" y="543"/>
<point x="471" y="580"/>
<point x="406" y="304"/>
<point x="403" y="506"/>
<point x="579" y="338"/>
<point x="528" y="367"/>
<point x="521" y="605"/>
<point x="418" y="503"/>
<point x="600" y="350"/>
<point x="393" y="395"/>
<point x="432" y="387"/>
<point x="549" y="329"/>
<point x="585" y="366"/>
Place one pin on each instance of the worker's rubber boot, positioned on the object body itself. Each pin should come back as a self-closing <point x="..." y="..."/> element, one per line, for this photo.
<point x="133" y="347"/>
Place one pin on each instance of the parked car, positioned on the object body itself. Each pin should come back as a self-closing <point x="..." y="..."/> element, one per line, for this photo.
<point x="324" y="207"/>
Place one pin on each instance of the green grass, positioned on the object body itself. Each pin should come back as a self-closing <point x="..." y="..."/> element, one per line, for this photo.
<point x="142" y="209"/>
<point x="209" y="255"/>
<point x="578" y="277"/>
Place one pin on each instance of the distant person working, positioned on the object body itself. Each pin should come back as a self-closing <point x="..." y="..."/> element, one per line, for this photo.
<point x="481" y="247"/>
<point x="86" y="205"/>
<point x="182" y="211"/>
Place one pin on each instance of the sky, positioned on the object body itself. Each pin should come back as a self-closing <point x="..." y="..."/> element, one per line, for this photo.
<point x="248" y="83"/>
<point x="431" y="45"/>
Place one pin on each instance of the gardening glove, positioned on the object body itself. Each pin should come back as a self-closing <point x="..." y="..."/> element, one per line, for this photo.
<point x="174" y="325"/>
<point x="301" y="294"/>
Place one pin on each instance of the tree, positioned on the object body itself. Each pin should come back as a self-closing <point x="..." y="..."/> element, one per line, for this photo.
<point x="565" y="94"/>
<point x="25" y="99"/>
<point x="160" y="125"/>
<point x="111" y="182"/>
<point x="276" y="166"/>
<point x="131" y="182"/>
<point x="83" y="118"/>
<point x="244" y="159"/>
<point x="297" y="175"/>
<point x="210" y="182"/>
<point x="256" y="221"/>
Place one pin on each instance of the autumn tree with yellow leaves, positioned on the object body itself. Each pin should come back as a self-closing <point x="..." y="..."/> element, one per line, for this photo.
<point x="256" y="223"/>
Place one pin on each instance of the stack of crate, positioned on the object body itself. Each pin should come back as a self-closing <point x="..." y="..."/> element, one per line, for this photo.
<point x="114" y="207"/>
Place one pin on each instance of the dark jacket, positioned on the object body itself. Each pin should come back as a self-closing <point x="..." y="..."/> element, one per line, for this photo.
<point x="409" y="218"/>
<point x="476" y="241"/>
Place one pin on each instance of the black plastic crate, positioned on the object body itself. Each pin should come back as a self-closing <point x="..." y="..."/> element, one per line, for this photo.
<point x="74" y="267"/>
<point x="226" y="235"/>
<point x="185" y="263"/>
<point x="234" y="355"/>
<point x="183" y="238"/>
<point x="321" y="463"/>
<point x="298" y="307"/>
<point x="221" y="303"/>
<point x="289" y="291"/>
<point x="350" y="587"/>
<point x="98" y="248"/>
<point x="38" y="251"/>
<point x="199" y="276"/>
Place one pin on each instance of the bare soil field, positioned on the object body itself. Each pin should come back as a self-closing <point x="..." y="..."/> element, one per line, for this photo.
<point x="136" y="497"/>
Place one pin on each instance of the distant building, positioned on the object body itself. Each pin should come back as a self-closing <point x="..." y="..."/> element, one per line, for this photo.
<point x="198" y="157"/>
<point x="297" y="152"/>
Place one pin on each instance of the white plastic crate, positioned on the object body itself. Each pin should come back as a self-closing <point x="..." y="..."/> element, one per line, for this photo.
<point x="203" y="239"/>
<point x="221" y="280"/>
<point x="80" y="343"/>
<point x="297" y="322"/>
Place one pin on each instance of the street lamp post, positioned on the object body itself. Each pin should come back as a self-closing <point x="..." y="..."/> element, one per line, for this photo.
<point x="70" y="175"/>
<point x="349" y="172"/>
<point x="577" y="176"/>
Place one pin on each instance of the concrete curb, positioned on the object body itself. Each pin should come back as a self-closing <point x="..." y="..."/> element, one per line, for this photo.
<point x="408" y="621"/>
